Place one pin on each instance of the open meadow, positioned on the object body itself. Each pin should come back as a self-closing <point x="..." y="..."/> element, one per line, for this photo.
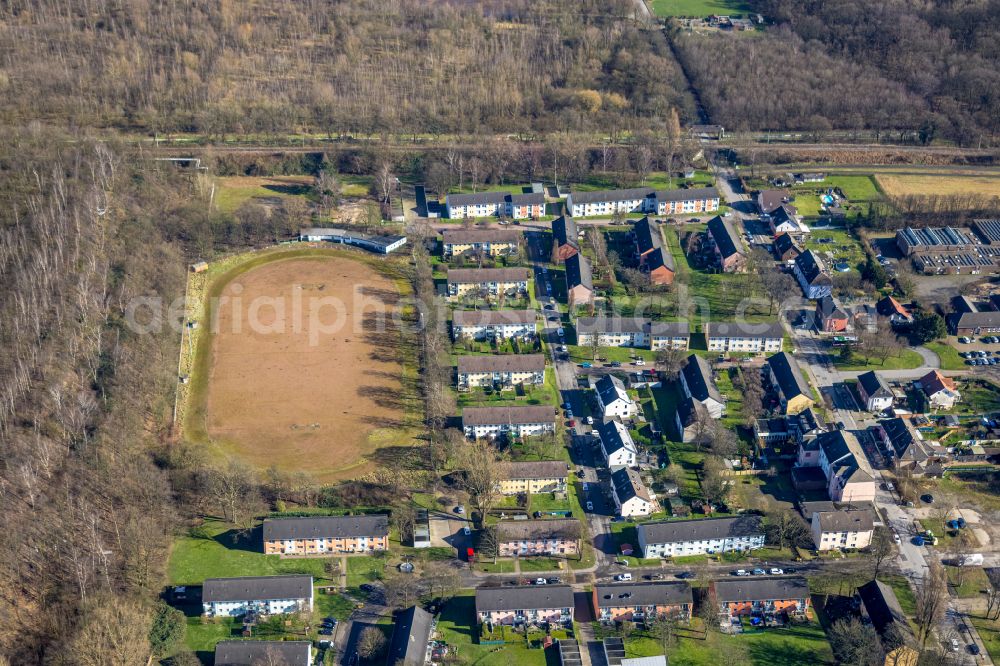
<point x="295" y="372"/>
<point x="903" y="185"/>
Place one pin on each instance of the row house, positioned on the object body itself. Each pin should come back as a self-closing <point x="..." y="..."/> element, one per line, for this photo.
<point x="708" y="536"/>
<point x="905" y="445"/>
<point x="744" y="337"/>
<point x="490" y="242"/>
<point x="727" y="246"/>
<point x="566" y="237"/>
<point x="652" y="254"/>
<point x="525" y="604"/>
<point x="242" y="653"/>
<point x="266" y="595"/>
<point x="492" y="281"/>
<point x="632" y="332"/>
<point x="845" y="469"/>
<point x="643" y="602"/>
<point x="837" y="530"/>
<point x="530" y="205"/>
<point x="325" y="535"/>
<point x="643" y="200"/>
<point x="526" y="538"/>
<point x="796" y="428"/>
<point x="500" y="370"/>
<point x="794" y="393"/>
<point x="697" y="383"/>
<point x="874" y="392"/>
<point x="631" y="496"/>
<point x="759" y="596"/>
<point x="617" y="446"/>
<point x="493" y="324"/>
<point x="812" y="276"/>
<point x="533" y="477"/>
<point x="579" y="280"/>
<point x="496" y="422"/>
<point x="612" y="399"/>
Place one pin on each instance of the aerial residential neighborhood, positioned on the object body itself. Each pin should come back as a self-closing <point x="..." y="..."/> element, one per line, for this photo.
<point x="499" y="333"/>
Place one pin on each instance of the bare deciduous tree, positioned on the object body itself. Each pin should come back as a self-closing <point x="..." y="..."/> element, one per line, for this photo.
<point x="483" y="470"/>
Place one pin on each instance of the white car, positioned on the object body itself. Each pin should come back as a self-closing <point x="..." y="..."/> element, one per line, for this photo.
<point x="776" y="571"/>
<point x="590" y="506"/>
<point x="466" y="531"/>
<point x="895" y="538"/>
<point x="955" y="645"/>
<point x="623" y="577"/>
<point x="640" y="362"/>
<point x="590" y="420"/>
<point x="540" y="581"/>
<point x="585" y="486"/>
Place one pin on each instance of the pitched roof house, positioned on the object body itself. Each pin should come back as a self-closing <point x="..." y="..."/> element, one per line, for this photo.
<point x="253" y="652"/>
<point x="567" y="237"/>
<point x="654" y="257"/>
<point x="812" y="276"/>
<point x="529" y="603"/>
<point x="905" y="445"/>
<point x="727" y="245"/>
<point x="700" y="536"/>
<point x="690" y="413"/>
<point x="785" y="248"/>
<point x="849" y="476"/>
<point x="534" y="476"/>
<point x="769" y="200"/>
<point x="612" y="399"/>
<point x="786" y="377"/>
<point x="838" y="529"/>
<point x="894" y="310"/>
<point x="941" y="391"/>
<point x="697" y="382"/>
<point x="325" y="535"/>
<point x="875" y="393"/>
<point x="268" y="595"/>
<point x="760" y="596"/>
<point x="882" y="608"/>
<point x="579" y="280"/>
<point x="519" y="421"/>
<point x="411" y="638"/>
<point x="616" y="444"/>
<point x="632" y="497"/>
<point x="643" y="601"/>
<point x="829" y="317"/>
<point x="550" y="537"/>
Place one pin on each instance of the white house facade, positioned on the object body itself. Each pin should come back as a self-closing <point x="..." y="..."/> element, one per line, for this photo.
<point x="699" y="537"/>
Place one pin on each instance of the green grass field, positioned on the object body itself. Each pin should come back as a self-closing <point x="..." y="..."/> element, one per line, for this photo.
<point x="950" y="360"/>
<point x="855" y="188"/>
<point x="656" y="180"/>
<point x="844" y="247"/>
<point x="698" y="8"/>
<point x="907" y="360"/>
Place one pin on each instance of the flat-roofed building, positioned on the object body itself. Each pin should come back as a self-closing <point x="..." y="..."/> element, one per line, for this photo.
<point x="485" y="324"/>
<point x="533" y="477"/>
<point x="502" y="370"/>
<point x="679" y="538"/>
<point x="513" y="421"/>
<point x="326" y="535"/>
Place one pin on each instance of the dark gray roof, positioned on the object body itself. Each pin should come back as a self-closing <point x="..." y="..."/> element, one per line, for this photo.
<point x="660" y="257"/>
<point x="647" y="235"/>
<point x="477" y="275"/>
<point x="678" y="531"/>
<point x="520" y="530"/>
<point x="842" y="450"/>
<point x="469" y="236"/>
<point x="730" y="329"/>
<point x="476" y="198"/>
<point x="978" y="320"/>
<point x="784" y="213"/>
<point x="611" y="195"/>
<point x="613" y="439"/>
<point x="812" y="268"/>
<point x="410" y="634"/>
<point x="628" y="484"/>
<point x="527" y="198"/>
<point x="846" y="521"/>
<point x="257" y="588"/>
<point x="506" y="415"/>
<point x="788" y="375"/>
<point x="689" y="410"/>
<point x="538" y="469"/>
<point x="679" y="329"/>
<point x="698" y="376"/>
<point x="252" y="653"/>
<point x="609" y="388"/>
<point x="769" y="200"/>
<point x="325" y="527"/>
<point x="874" y="385"/>
<point x="578" y="272"/>
<point x="610" y="325"/>
<point x="783" y="242"/>
<point x="501" y="363"/>
<point x="882" y="606"/>
<point x="492" y="317"/>
<point x="724" y="237"/>
<point x="565" y="231"/>
<point x="528" y="597"/>
<point x="903" y="440"/>
<point x="828" y="308"/>
<point x="688" y="194"/>
<point x="643" y="594"/>
<point x="761" y="589"/>
<point x="835" y="445"/>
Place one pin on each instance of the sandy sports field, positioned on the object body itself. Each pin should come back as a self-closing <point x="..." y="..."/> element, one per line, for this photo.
<point x="303" y="398"/>
<point x="902" y="185"/>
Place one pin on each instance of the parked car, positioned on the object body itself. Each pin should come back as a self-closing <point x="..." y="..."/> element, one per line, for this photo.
<point x="560" y="332"/>
<point x="775" y="571"/>
<point x="554" y="581"/>
<point x="741" y="572"/>
<point x="460" y="509"/>
<point x="639" y="361"/>
<point x="616" y="364"/>
<point x="623" y="577"/>
<point x="590" y="506"/>
<point x="759" y="572"/>
<point x="973" y="649"/>
<point x="927" y="499"/>
<point x="680" y="574"/>
<point x="539" y="581"/>
<point x="466" y="531"/>
<point x="954" y="645"/>
<point x="590" y="420"/>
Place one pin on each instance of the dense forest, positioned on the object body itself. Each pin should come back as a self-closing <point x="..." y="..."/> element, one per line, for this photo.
<point x="851" y="64"/>
<point x="326" y="67"/>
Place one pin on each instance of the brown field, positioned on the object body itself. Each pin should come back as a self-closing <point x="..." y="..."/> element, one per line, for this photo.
<point x="903" y="185"/>
<point x="276" y="399"/>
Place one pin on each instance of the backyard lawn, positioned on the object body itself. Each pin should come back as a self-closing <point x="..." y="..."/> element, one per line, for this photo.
<point x="855" y="188"/>
<point x="456" y="627"/>
<point x="209" y="552"/>
<point x="842" y="247"/>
